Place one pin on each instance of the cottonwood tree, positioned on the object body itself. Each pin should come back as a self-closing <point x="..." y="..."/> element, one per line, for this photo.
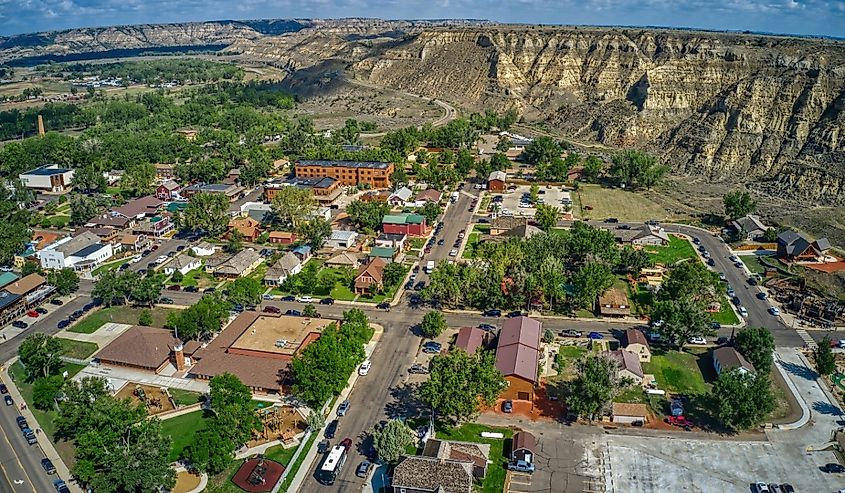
<point x="293" y="205"/>
<point x="208" y="212"/>
<point x="690" y="279"/>
<point x="391" y="440"/>
<point x="634" y="261"/>
<point x="147" y="290"/>
<point x="200" y="320"/>
<point x="65" y="280"/>
<point x="433" y="324"/>
<point x="82" y="209"/>
<point x="547" y="216"/>
<point x="459" y="383"/>
<point x="592" y="391"/>
<point x="637" y="169"/>
<point x="590" y="281"/>
<point x="825" y="359"/>
<point x="316" y="232"/>
<point x="738" y="204"/>
<point x="138" y="179"/>
<point x="39" y="353"/>
<point x="757" y="345"/>
<point x="245" y="291"/>
<point x="367" y="215"/>
<point x="681" y="320"/>
<point x="315" y="420"/>
<point x="742" y="399"/>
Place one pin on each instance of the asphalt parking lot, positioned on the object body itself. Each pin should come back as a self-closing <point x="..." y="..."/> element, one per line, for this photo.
<point x="553" y="196"/>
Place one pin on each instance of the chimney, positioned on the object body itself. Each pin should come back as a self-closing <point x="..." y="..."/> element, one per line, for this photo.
<point x="40" y="126"/>
<point x="178" y="357"/>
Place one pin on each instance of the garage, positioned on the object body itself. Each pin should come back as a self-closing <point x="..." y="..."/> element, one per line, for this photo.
<point x="625" y="413"/>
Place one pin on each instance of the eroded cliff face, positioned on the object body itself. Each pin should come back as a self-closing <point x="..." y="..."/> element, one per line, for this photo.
<point x="765" y="111"/>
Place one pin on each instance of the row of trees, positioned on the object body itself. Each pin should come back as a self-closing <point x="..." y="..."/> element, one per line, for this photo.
<point x="322" y="369"/>
<point x="148" y="71"/>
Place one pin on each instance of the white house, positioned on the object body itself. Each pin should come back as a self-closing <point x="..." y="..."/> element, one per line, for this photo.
<point x="323" y="212"/>
<point x="400" y="197"/>
<point x="342" y="239"/>
<point x="82" y="252"/>
<point x="48" y="177"/>
<point x="203" y="249"/>
<point x="182" y="263"/>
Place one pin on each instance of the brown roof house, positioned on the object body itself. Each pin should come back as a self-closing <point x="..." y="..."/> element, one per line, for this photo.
<point x="474" y="453"/>
<point x="636" y="343"/>
<point x="728" y="358"/>
<point x="518" y="356"/>
<point x="470" y="339"/>
<point x="629" y="365"/>
<point x="622" y="412"/>
<point x="239" y="265"/>
<point x="429" y="474"/>
<point x="524" y="446"/>
<point x="614" y="303"/>
<point x="288" y="265"/>
<point x="146" y="348"/>
<point x="248" y="227"/>
<point x="429" y="195"/>
<point x="344" y="259"/>
<point x="370" y="277"/>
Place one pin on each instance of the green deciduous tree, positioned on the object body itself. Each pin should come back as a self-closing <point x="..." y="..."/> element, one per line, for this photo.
<point x="245" y="291"/>
<point x="235" y="241"/>
<point x="89" y="179"/>
<point x="65" y="280"/>
<point x="315" y="420"/>
<point x="210" y="450"/>
<point x="309" y="310"/>
<point x="758" y="346"/>
<point x="633" y="261"/>
<point x="147" y="290"/>
<point x="231" y="402"/>
<point x="393" y="274"/>
<point x="145" y="318"/>
<point x="138" y="179"/>
<point x="681" y="319"/>
<point x="44" y="392"/>
<point x="433" y="324"/>
<point x="592" y="391"/>
<point x="591" y="280"/>
<point x="39" y="354"/>
<point x="367" y="215"/>
<point x="825" y="359"/>
<point x="541" y="150"/>
<point x="431" y="211"/>
<point x="742" y="399"/>
<point x="637" y="169"/>
<point x="316" y="232"/>
<point x="293" y="205"/>
<point x="82" y="209"/>
<point x="547" y="216"/>
<point x="391" y="440"/>
<point x="200" y="320"/>
<point x="593" y="167"/>
<point x="459" y="383"/>
<point x="738" y="204"/>
<point x="208" y="212"/>
<point x="690" y="279"/>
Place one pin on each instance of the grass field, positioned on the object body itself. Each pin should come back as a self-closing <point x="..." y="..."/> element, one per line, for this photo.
<point x="753" y="263"/>
<point x="679" y="372"/>
<point x="677" y="249"/>
<point x="120" y="315"/>
<point x="614" y="202"/>
<point x="184" y="397"/>
<point x="77" y="349"/>
<point x="108" y="266"/>
<point x="46" y="419"/>
<point x="182" y="430"/>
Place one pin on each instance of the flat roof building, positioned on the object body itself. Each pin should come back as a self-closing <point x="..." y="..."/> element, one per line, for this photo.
<point x="352" y="173"/>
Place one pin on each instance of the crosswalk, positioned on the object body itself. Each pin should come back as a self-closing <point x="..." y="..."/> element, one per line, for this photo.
<point x="805" y="336"/>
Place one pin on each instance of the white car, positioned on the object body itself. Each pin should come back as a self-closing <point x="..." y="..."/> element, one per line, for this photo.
<point x="697" y="340"/>
<point x="305" y="299"/>
<point x="731" y="293"/>
<point x="760" y="487"/>
<point x="743" y="311"/>
<point x="136" y="258"/>
<point x="774" y="310"/>
<point x="161" y="259"/>
<point x="453" y="252"/>
<point x="365" y="367"/>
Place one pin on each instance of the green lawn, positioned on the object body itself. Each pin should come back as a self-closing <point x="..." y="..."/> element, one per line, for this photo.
<point x="471" y="245"/>
<point x="59" y="221"/>
<point x="417" y="243"/>
<point x="46" y="419"/>
<point x="294" y="467"/>
<point x="726" y="315"/>
<point x="494" y="481"/>
<point x="677" y="249"/>
<point x="342" y="291"/>
<point x="182" y="430"/>
<point x="679" y="372"/>
<point x="77" y="349"/>
<point x="753" y="263"/>
<point x="280" y="454"/>
<point x="198" y="278"/>
<point x="108" y="266"/>
<point x="573" y="352"/>
<point x="118" y="314"/>
<point x="184" y="397"/>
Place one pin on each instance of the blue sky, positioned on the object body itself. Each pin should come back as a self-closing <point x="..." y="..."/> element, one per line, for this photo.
<point x="819" y="17"/>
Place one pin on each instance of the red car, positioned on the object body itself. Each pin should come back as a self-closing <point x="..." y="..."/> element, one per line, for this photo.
<point x="32" y="313"/>
<point x="272" y="309"/>
<point x="174" y="287"/>
<point x="154" y="248"/>
<point x="680" y="421"/>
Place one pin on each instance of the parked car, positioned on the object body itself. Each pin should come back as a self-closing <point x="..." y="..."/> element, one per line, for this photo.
<point x="165" y="301"/>
<point x="731" y="293"/>
<point x="41" y="310"/>
<point x="363" y="469"/>
<point x="453" y="252"/>
<point x="305" y="299"/>
<point x="323" y="446"/>
<point x="409" y="285"/>
<point x="763" y="296"/>
<point x="61" y="486"/>
<point x="272" y="309"/>
<point x="174" y="287"/>
<point x="595" y="335"/>
<point x="331" y="429"/>
<point x="57" y="302"/>
<point x="419" y="286"/>
<point x="8" y="400"/>
<point x="787" y="488"/>
<point x="697" y="340"/>
<point x="493" y="313"/>
<point x="571" y="333"/>
<point x="20" y="324"/>
<point x="521" y="466"/>
<point x="383" y="306"/>
<point x="487" y="327"/>
<point x="833" y="468"/>
<point x="4" y="389"/>
<point x="679" y="421"/>
<point x="327" y="301"/>
<point x="289" y="297"/>
<point x="48" y="466"/>
<point x="441" y="242"/>
<point x="209" y="290"/>
<point x="191" y="289"/>
<point x="775" y="488"/>
<point x="723" y="340"/>
<point x="743" y="311"/>
<point x="760" y="487"/>
<point x="507" y="406"/>
<point x="63" y="323"/>
<point x="21" y="421"/>
<point x="514" y="314"/>
<point x="33" y="314"/>
<point x="774" y="310"/>
<point x="738" y="264"/>
<point x="365" y="367"/>
<point x="712" y="263"/>
<point x="612" y="220"/>
<point x="431" y="349"/>
<point x="343" y="408"/>
<point x="293" y="313"/>
<point x="418" y="369"/>
<point x="751" y="281"/>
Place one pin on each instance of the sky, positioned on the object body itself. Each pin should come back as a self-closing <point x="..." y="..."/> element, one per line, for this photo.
<point x="806" y="17"/>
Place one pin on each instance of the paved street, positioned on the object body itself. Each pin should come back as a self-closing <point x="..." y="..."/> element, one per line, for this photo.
<point x="20" y="463"/>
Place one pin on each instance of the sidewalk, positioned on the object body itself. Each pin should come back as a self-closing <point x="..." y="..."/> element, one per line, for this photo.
<point x="62" y="471"/>
<point x="311" y="454"/>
